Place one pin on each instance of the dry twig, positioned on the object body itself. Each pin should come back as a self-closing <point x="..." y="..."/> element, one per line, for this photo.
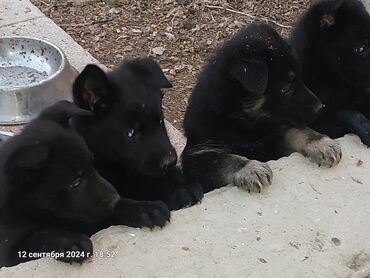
<point x="249" y="15"/>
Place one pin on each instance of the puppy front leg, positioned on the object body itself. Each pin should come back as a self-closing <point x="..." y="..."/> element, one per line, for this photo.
<point x="44" y="241"/>
<point x="140" y="214"/>
<point x="217" y="168"/>
<point x="175" y="191"/>
<point x="355" y="122"/>
<point x="321" y="149"/>
<point x="251" y="175"/>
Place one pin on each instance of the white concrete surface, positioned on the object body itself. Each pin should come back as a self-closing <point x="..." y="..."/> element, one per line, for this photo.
<point x="312" y="222"/>
<point x="367" y="4"/>
<point x="14" y="11"/>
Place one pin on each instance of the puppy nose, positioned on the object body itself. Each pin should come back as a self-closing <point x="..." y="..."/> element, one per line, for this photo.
<point x="169" y="161"/>
<point x="318" y="107"/>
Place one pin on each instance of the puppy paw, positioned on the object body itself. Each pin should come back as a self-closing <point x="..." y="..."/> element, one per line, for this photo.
<point x="141" y="214"/>
<point x="324" y="152"/>
<point x="253" y="176"/>
<point x="185" y="197"/>
<point x="74" y="247"/>
<point x="356" y="123"/>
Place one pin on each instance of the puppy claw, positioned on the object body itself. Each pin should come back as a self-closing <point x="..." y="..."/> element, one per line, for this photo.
<point x="254" y="176"/>
<point x="144" y="214"/>
<point x="324" y="152"/>
<point x="185" y="197"/>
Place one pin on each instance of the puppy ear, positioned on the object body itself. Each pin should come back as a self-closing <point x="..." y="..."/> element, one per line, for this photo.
<point x="62" y="111"/>
<point x="252" y="75"/>
<point x="328" y="13"/>
<point x="91" y="88"/>
<point x="149" y="72"/>
<point x="27" y="165"/>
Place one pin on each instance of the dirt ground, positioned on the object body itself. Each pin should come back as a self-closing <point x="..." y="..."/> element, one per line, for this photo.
<point x="179" y="37"/>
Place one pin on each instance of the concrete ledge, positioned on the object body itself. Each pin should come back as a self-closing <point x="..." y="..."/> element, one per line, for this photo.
<point x="312" y="222"/>
<point x="15" y="11"/>
<point x="177" y="139"/>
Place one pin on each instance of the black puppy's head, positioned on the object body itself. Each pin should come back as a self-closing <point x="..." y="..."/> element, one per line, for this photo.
<point x="128" y="126"/>
<point x="50" y="171"/>
<point x="265" y="74"/>
<point x="338" y="37"/>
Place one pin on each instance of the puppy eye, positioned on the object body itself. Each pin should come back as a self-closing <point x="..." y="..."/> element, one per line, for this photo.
<point x="130" y="132"/>
<point x="361" y="49"/>
<point x="76" y="183"/>
<point x="291" y="75"/>
<point x="286" y="90"/>
<point x="161" y="121"/>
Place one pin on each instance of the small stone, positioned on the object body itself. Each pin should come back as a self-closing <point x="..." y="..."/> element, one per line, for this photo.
<point x="128" y="48"/>
<point x="295" y="244"/>
<point x="359" y="163"/>
<point x="262" y="260"/>
<point x="335" y="241"/>
<point x="356" y="180"/>
<point x="136" y="31"/>
<point x="242" y="230"/>
<point x="114" y="11"/>
<point x="179" y="68"/>
<point x="303" y="259"/>
<point x="158" y="50"/>
<point x="185" y="248"/>
<point x="169" y="36"/>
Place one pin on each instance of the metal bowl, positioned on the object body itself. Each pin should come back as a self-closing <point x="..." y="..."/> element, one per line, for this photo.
<point x="34" y="74"/>
<point x="5" y="135"/>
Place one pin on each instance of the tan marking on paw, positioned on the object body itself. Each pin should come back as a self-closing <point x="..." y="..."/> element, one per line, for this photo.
<point x="324" y="152"/>
<point x="253" y="176"/>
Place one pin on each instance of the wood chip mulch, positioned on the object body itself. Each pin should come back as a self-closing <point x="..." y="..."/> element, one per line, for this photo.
<point x="179" y="37"/>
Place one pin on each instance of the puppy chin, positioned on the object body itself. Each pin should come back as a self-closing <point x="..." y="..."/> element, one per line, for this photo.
<point x="300" y="122"/>
<point x="153" y="173"/>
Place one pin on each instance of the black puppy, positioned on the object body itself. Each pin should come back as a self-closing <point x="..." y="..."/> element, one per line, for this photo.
<point x="250" y="104"/>
<point x="127" y="133"/>
<point x="332" y="40"/>
<point x="51" y="196"/>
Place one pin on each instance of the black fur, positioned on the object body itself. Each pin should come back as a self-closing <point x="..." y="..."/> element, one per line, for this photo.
<point x="332" y="40"/>
<point x="127" y="133"/>
<point x="247" y="97"/>
<point x="52" y="198"/>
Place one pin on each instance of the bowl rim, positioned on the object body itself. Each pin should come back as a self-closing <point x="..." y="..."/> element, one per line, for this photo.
<point x="63" y="62"/>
